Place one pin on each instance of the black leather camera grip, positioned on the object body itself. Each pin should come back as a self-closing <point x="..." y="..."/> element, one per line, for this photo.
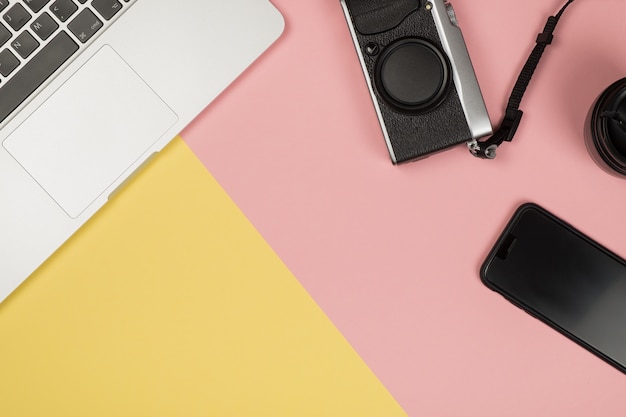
<point x="376" y="16"/>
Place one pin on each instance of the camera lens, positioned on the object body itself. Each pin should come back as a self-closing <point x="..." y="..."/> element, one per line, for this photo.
<point x="413" y="75"/>
<point x="605" y="129"/>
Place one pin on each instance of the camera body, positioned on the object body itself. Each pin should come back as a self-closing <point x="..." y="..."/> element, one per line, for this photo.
<point x="419" y="74"/>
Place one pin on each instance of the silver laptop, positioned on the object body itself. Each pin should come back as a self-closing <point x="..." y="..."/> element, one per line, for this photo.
<point x="90" y="89"/>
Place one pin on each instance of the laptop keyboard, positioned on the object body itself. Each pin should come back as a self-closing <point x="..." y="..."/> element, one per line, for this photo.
<point x="38" y="36"/>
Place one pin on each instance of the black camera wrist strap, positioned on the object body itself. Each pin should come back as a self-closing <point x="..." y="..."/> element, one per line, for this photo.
<point x="513" y="115"/>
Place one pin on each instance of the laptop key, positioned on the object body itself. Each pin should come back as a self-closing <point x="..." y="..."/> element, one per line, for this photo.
<point x="17" y="17"/>
<point x="63" y="9"/>
<point x="3" y="4"/>
<point x="36" y="5"/>
<point x="44" y="26"/>
<point x="25" y="44"/>
<point x="5" y="35"/>
<point x="85" y="25"/>
<point x="107" y="8"/>
<point x="8" y="63"/>
<point x="35" y="72"/>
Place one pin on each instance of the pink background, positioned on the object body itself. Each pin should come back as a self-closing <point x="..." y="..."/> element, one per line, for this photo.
<point x="392" y="253"/>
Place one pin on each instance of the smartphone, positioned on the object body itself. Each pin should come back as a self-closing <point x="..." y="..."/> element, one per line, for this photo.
<point x="557" y="274"/>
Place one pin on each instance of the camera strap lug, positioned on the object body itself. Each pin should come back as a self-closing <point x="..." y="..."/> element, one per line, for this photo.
<point x="487" y="149"/>
<point x="506" y="131"/>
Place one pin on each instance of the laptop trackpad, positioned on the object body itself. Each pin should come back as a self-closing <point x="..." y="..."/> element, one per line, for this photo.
<point x="91" y="130"/>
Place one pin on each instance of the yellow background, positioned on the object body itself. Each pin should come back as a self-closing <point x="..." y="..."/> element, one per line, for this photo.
<point x="169" y="303"/>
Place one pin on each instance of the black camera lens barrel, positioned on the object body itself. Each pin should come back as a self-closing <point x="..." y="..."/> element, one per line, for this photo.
<point x="413" y="75"/>
<point x="605" y="129"/>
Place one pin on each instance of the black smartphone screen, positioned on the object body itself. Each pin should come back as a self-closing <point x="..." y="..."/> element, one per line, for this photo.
<point x="564" y="278"/>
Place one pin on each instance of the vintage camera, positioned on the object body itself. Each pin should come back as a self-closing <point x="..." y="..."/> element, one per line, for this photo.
<point x="419" y="74"/>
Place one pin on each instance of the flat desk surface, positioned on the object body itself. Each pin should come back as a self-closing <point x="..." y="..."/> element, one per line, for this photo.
<point x="391" y="254"/>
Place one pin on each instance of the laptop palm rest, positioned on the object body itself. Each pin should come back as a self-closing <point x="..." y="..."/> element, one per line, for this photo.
<point x="92" y="153"/>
